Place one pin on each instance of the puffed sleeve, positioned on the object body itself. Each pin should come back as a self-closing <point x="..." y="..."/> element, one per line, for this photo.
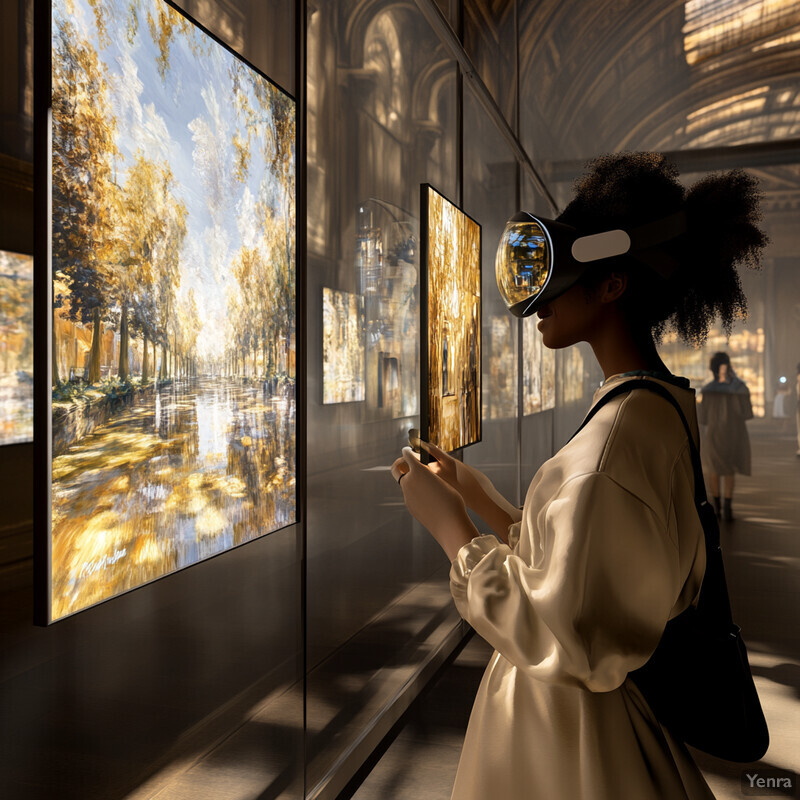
<point x="594" y="606"/>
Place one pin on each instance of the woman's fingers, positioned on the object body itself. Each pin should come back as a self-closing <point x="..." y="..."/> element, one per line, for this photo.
<point x="399" y="468"/>
<point x="435" y="451"/>
<point x="411" y="458"/>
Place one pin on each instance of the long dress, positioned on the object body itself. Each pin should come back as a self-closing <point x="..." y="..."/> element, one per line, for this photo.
<point x="723" y="413"/>
<point x="609" y="548"/>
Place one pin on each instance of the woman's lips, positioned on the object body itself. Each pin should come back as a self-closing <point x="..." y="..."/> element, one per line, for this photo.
<point x="543" y="314"/>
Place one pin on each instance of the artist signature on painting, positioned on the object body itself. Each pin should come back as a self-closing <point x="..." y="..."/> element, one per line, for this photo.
<point x="95" y="565"/>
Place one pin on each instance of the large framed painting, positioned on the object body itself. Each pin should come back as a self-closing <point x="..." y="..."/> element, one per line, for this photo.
<point x="16" y="348"/>
<point x="342" y="346"/>
<point x="450" y="319"/>
<point x="165" y="408"/>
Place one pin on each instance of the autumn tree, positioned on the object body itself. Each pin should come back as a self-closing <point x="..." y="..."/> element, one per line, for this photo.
<point x="269" y="125"/>
<point x="84" y="192"/>
<point x="152" y="227"/>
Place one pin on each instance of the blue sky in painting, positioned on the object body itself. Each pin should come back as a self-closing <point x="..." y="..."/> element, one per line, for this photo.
<point x="187" y="119"/>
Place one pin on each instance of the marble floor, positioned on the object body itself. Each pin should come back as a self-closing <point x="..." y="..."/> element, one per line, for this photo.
<point x="762" y="554"/>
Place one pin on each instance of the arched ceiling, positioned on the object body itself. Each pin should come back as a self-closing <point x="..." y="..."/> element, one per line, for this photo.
<point x="720" y="78"/>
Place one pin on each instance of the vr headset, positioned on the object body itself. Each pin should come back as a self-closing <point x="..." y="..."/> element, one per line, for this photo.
<point x="538" y="259"/>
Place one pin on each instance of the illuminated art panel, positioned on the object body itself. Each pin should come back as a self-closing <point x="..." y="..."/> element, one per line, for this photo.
<point x="573" y="381"/>
<point x="173" y="318"/>
<point x="538" y="370"/>
<point x="745" y="348"/>
<point x="342" y="346"/>
<point x="16" y="348"/>
<point x="501" y="402"/>
<point x="451" y="323"/>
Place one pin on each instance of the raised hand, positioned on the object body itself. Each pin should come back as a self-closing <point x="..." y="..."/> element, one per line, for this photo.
<point x="475" y="488"/>
<point x="468" y="481"/>
<point x="434" y="503"/>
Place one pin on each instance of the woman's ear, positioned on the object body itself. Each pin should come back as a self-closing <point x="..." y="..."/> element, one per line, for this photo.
<point x="613" y="287"/>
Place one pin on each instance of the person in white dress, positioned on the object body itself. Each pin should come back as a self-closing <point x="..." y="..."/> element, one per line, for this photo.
<point x="574" y="590"/>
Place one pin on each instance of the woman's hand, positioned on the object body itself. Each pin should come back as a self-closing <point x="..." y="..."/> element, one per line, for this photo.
<point x="435" y="504"/>
<point x="476" y="489"/>
<point x="469" y="482"/>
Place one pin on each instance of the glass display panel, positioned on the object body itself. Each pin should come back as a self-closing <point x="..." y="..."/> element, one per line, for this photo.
<point x="173" y="269"/>
<point x="451" y="281"/>
<point x="16" y="348"/>
<point x="342" y="346"/>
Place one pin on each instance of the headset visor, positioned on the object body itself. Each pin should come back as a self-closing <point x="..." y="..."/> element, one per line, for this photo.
<point x="524" y="260"/>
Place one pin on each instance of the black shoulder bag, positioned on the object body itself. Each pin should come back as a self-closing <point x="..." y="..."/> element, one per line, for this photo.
<point x="698" y="681"/>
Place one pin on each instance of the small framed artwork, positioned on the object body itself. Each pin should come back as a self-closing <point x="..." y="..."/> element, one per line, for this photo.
<point x="16" y="348"/>
<point x="450" y="320"/>
<point x="342" y="346"/>
<point x="165" y="403"/>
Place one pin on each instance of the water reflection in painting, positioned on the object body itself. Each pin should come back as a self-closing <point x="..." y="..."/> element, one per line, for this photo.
<point x="342" y="346"/>
<point x="16" y="348"/>
<point x="173" y="266"/>
<point x="453" y="278"/>
<point x="176" y="474"/>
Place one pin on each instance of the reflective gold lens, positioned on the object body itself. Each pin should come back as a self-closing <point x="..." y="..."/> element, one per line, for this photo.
<point x="523" y="261"/>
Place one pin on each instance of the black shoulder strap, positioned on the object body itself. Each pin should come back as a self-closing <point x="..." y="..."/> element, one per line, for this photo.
<point x="714" y="595"/>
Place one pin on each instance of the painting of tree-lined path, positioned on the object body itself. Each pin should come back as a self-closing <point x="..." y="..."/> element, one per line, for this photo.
<point x="173" y="269"/>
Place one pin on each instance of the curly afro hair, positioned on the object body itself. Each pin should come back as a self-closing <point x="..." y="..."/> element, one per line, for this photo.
<point x="624" y="190"/>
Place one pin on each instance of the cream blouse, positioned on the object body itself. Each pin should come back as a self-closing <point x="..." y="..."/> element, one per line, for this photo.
<point x="609" y="548"/>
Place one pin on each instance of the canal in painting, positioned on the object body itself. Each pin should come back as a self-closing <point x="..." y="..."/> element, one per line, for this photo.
<point x="190" y="470"/>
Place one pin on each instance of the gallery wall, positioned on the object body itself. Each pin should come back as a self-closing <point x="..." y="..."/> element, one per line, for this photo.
<point x="388" y="110"/>
<point x="270" y="668"/>
<point x="122" y="698"/>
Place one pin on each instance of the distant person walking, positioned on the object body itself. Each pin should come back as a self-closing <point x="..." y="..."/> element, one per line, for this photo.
<point x="724" y="409"/>
<point x="781" y="406"/>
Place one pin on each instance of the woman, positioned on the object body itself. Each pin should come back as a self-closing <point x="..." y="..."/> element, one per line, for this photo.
<point x="575" y="589"/>
<point x="726" y="446"/>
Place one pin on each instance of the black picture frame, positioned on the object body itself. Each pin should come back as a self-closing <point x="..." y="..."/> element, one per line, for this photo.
<point x="425" y="320"/>
<point x="43" y="305"/>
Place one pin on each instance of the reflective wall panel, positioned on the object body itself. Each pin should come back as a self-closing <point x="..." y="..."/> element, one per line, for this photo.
<point x="490" y="40"/>
<point x="176" y="687"/>
<point x="382" y="119"/>
<point x="490" y="196"/>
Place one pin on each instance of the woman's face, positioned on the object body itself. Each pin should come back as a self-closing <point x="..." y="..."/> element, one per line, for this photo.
<point x="569" y="319"/>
